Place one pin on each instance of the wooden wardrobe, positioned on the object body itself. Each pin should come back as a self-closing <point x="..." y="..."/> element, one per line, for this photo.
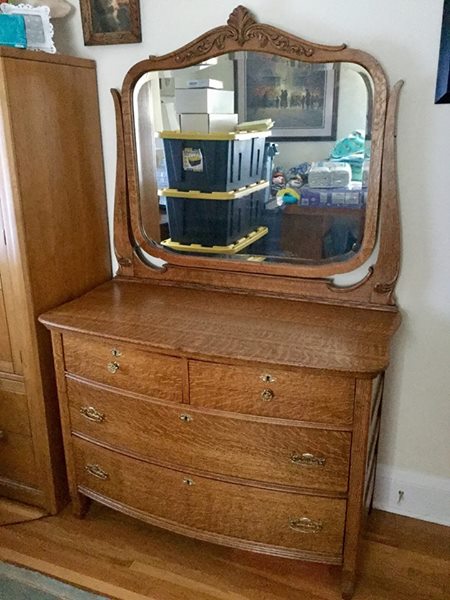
<point x="53" y="248"/>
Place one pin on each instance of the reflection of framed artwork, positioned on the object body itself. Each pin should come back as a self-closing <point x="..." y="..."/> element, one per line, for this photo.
<point x="111" y="21"/>
<point x="443" y="76"/>
<point x="301" y="98"/>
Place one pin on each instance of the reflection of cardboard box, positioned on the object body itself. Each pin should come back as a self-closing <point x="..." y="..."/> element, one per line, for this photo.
<point x="205" y="83"/>
<point x="204" y="123"/>
<point x="204" y="100"/>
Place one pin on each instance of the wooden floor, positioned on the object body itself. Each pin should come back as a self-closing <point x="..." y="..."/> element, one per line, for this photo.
<point x="120" y="557"/>
<point x="15" y="512"/>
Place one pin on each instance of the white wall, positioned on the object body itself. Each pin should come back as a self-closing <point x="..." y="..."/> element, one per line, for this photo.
<point x="404" y="36"/>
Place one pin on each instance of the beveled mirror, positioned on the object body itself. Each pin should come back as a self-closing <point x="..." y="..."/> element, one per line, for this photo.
<point x="251" y="151"/>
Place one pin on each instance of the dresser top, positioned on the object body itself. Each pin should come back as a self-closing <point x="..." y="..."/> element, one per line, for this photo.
<point x="218" y="325"/>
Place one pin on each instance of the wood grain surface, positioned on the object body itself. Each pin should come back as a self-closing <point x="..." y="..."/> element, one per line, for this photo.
<point x="14" y="416"/>
<point x="137" y="370"/>
<point x="205" y="507"/>
<point x="236" y="327"/>
<point x="298" y="395"/>
<point x="122" y="558"/>
<point x="17" y="459"/>
<point x="55" y="232"/>
<point x="216" y="443"/>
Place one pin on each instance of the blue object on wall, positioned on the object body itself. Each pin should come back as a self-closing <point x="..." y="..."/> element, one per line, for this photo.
<point x="443" y="76"/>
<point x="12" y="31"/>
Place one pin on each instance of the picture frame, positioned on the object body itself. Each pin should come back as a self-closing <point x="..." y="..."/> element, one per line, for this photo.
<point x="300" y="97"/>
<point x="442" y="95"/>
<point x="39" y="30"/>
<point x="111" y="22"/>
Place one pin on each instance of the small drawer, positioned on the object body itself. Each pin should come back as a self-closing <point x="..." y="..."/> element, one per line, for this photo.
<point x="236" y="447"/>
<point x="13" y="407"/>
<point x="124" y="366"/>
<point x="297" y="395"/>
<point x="229" y="511"/>
<point x="17" y="458"/>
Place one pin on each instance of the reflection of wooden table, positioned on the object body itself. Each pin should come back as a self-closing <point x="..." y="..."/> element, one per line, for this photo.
<point x="303" y="228"/>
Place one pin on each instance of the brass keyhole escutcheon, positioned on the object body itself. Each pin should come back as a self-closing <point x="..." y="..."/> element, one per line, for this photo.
<point x="186" y="418"/>
<point x="113" y="367"/>
<point x="116" y="352"/>
<point x="188" y="482"/>
<point x="267" y="378"/>
<point x="267" y="395"/>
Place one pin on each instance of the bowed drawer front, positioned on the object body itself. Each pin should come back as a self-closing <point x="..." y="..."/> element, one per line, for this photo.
<point x="288" y="521"/>
<point x="248" y="448"/>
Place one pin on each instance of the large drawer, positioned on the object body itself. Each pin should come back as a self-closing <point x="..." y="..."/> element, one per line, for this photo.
<point x="124" y="366"/>
<point x="17" y="458"/>
<point x="233" y="446"/>
<point x="271" y="518"/>
<point x="320" y="398"/>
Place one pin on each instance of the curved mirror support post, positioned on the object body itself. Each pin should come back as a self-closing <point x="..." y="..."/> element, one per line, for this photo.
<point x="252" y="151"/>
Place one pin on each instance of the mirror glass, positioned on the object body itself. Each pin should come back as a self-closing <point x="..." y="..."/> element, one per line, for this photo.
<point x="255" y="157"/>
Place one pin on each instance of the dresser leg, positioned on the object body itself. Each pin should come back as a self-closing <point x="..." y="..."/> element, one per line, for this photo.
<point x="80" y="505"/>
<point x="347" y="585"/>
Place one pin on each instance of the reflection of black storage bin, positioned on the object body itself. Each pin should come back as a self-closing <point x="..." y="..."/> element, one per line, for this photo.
<point x="213" y="162"/>
<point x="215" y="219"/>
<point x="269" y="245"/>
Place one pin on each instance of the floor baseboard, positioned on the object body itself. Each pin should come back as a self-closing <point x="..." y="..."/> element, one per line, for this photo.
<point x="413" y="494"/>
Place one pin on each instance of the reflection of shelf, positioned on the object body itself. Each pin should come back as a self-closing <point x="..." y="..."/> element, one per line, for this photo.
<point x="332" y="211"/>
<point x="230" y="249"/>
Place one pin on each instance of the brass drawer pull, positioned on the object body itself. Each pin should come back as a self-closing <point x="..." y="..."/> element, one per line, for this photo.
<point x="305" y="525"/>
<point x="308" y="459"/>
<point x="116" y="352"/>
<point x="188" y="481"/>
<point x="186" y="418"/>
<point x="267" y="378"/>
<point x="97" y="471"/>
<point x="267" y="395"/>
<point x="113" y="367"/>
<point x="92" y="414"/>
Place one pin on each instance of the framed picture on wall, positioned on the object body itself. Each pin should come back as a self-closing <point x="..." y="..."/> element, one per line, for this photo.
<point x="443" y="75"/>
<point x="111" y="21"/>
<point x="301" y="98"/>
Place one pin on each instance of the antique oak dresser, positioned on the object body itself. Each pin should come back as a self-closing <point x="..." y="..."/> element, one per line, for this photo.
<point x="235" y="398"/>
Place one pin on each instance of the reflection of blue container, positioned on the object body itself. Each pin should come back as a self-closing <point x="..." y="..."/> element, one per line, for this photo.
<point x="214" y="219"/>
<point x="217" y="162"/>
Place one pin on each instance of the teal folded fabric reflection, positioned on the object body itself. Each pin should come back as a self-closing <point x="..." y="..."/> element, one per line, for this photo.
<point x="12" y="31"/>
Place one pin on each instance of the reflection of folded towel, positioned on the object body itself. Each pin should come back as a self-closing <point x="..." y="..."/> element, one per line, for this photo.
<point x="12" y="31"/>
<point x="319" y="175"/>
<point x="329" y="174"/>
<point x="340" y="175"/>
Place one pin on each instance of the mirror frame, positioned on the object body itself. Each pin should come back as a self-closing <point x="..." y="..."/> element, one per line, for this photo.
<point x="242" y="32"/>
